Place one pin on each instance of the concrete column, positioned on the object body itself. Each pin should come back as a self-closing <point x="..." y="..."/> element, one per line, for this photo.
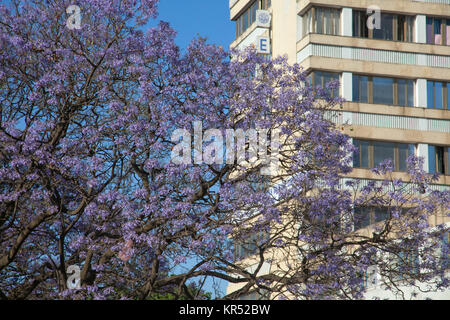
<point x="284" y="29"/>
<point x="422" y="151"/>
<point x="421" y="93"/>
<point x="347" y="86"/>
<point x="347" y="22"/>
<point x="421" y="29"/>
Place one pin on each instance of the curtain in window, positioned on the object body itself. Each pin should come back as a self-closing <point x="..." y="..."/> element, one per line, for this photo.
<point x="307" y="23"/>
<point x="327" y="22"/>
<point x="318" y="21"/>
<point x="437" y="31"/>
<point x="409" y="28"/>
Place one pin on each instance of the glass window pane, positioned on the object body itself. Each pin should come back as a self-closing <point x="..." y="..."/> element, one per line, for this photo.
<point x="361" y="217"/>
<point x="431" y="159"/>
<point x="410" y="93"/>
<point x="382" y="151"/>
<point x="401" y="28"/>
<point x="411" y="150"/>
<point x="383" y="90"/>
<point x="361" y="155"/>
<point x="364" y="89"/>
<point x="448" y="95"/>
<point x="401" y="92"/>
<point x="319" y="20"/>
<point x="305" y="24"/>
<point x="309" y="79"/>
<point x="410" y="30"/>
<point x="327" y="21"/>
<point x="358" y="24"/>
<point x="337" y="22"/>
<point x="357" y="154"/>
<point x="440" y="160"/>
<point x="253" y="12"/>
<point x="386" y="30"/>
<point x="310" y="21"/>
<point x="364" y="154"/>
<point x="438" y="94"/>
<point x="430" y="94"/>
<point x="381" y="214"/>
<point x="360" y="88"/>
<point x="355" y="88"/>
<point x="402" y="156"/>
<point x="245" y="21"/>
<point x="387" y="22"/>
<point x="448" y="160"/>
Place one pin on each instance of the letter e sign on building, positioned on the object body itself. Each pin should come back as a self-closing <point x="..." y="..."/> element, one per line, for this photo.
<point x="263" y="45"/>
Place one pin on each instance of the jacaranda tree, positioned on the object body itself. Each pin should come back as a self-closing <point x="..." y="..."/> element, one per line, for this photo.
<point x="90" y="98"/>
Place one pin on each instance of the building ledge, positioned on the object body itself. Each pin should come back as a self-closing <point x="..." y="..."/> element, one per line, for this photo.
<point x="395" y="6"/>
<point x="399" y="46"/>
<point x="417" y="112"/>
<point x="359" y="173"/>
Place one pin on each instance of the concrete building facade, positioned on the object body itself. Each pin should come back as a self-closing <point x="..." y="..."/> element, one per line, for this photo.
<point x="392" y="59"/>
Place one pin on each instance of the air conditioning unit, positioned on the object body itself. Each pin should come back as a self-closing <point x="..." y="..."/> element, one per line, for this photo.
<point x="263" y="18"/>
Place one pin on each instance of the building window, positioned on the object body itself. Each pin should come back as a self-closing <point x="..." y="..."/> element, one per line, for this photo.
<point x="393" y="27"/>
<point x="381" y="90"/>
<point x="369" y="154"/>
<point x="438" y="31"/>
<point x="257" y="181"/>
<point x="405" y="264"/>
<point x="366" y="216"/>
<point x="321" y="78"/>
<point x="438" y="95"/>
<point x="321" y="20"/>
<point x="246" y="19"/>
<point x="264" y="4"/>
<point x="250" y="247"/>
<point x="438" y="159"/>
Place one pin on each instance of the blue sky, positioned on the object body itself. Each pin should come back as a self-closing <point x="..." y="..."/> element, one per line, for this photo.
<point x="207" y="18"/>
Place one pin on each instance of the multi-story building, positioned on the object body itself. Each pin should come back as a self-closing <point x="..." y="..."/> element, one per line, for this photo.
<point x="392" y="59"/>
